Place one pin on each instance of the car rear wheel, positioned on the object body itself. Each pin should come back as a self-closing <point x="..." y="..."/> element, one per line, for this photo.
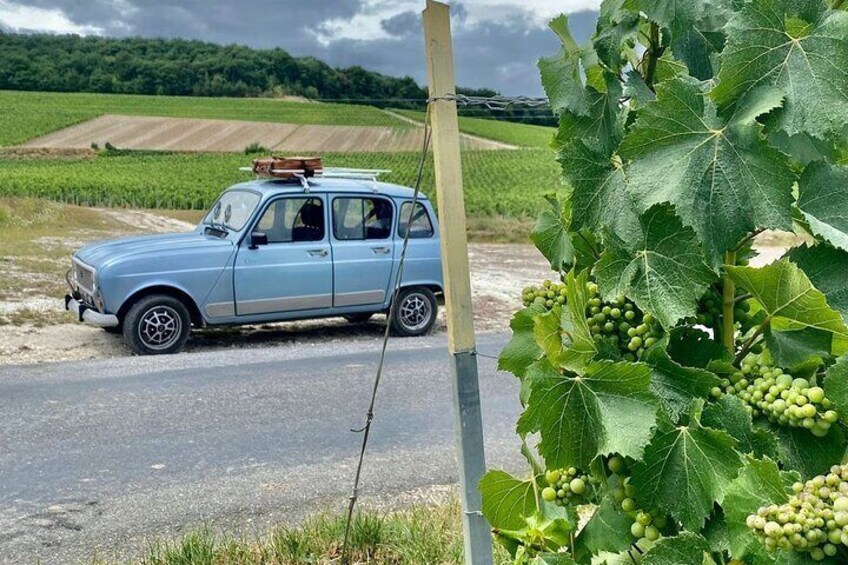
<point x="157" y="325"/>
<point x="415" y="313"/>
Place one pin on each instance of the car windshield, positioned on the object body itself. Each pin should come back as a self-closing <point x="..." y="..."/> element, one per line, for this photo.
<point x="233" y="209"/>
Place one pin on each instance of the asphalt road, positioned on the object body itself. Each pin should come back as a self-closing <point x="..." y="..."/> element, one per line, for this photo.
<point x="99" y="457"/>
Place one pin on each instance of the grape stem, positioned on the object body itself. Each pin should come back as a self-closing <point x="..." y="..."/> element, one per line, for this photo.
<point x="728" y="332"/>
<point x="752" y="341"/>
<point x="748" y="238"/>
<point x="653" y="54"/>
<point x="742" y="298"/>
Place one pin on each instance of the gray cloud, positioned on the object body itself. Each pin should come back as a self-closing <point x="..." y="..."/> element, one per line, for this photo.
<point x="402" y="25"/>
<point x="499" y="54"/>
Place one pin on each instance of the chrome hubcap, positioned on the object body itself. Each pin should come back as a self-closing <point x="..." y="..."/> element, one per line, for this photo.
<point x="160" y="328"/>
<point x="415" y="311"/>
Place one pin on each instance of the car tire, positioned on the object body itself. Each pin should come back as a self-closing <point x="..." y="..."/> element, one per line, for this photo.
<point x="359" y="318"/>
<point x="415" y="313"/>
<point x="157" y="325"/>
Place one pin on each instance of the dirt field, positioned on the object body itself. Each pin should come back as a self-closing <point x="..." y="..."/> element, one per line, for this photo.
<point x="35" y="329"/>
<point x="182" y="134"/>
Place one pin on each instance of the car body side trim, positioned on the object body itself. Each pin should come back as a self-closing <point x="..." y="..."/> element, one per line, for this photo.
<point x="359" y="298"/>
<point x="221" y="310"/>
<point x="268" y="305"/>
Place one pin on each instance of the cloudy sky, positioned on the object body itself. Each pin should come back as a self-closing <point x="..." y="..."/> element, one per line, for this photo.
<point x="497" y="41"/>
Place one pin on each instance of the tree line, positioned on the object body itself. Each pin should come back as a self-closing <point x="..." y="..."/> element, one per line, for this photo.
<point x="179" y="67"/>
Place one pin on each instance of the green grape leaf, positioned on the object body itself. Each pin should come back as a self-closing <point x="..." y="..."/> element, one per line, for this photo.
<point x="661" y="268"/>
<point x="759" y="483"/>
<point x="698" y="44"/>
<point x="561" y="74"/>
<point x="548" y="328"/>
<point x="823" y="199"/>
<point x="607" y="530"/>
<point x="599" y="198"/>
<point x="676" y="15"/>
<point x="729" y="415"/>
<point x="522" y="350"/>
<point x="793" y="348"/>
<point x="507" y="501"/>
<point x="579" y="346"/>
<point x="836" y="387"/>
<point x="788" y="298"/>
<point x="692" y="347"/>
<point x="687" y="547"/>
<point x="723" y="179"/>
<point x="602" y="127"/>
<point x="637" y="89"/>
<point x="715" y="531"/>
<point x="551" y="234"/>
<point x="826" y="268"/>
<point x="674" y="385"/>
<point x="685" y="470"/>
<point x="606" y="409"/>
<point x="791" y="45"/>
<point x="613" y="30"/>
<point x="809" y="455"/>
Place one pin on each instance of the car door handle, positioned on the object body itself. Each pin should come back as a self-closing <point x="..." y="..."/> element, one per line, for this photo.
<point x="383" y="250"/>
<point x="318" y="252"/>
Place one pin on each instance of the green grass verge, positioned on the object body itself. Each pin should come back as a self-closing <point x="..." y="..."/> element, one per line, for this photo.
<point x="524" y="135"/>
<point x="497" y="183"/>
<point x="27" y="115"/>
<point x="422" y="535"/>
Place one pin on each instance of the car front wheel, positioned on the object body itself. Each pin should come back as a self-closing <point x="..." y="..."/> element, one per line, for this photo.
<point x="157" y="325"/>
<point x="415" y="313"/>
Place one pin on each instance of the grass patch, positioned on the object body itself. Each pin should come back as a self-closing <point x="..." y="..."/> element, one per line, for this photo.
<point x="523" y="135"/>
<point x="27" y="115"/>
<point x="421" y="535"/>
<point x="497" y="183"/>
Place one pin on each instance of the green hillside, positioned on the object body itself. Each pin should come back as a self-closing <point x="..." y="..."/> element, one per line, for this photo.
<point x="27" y="115"/>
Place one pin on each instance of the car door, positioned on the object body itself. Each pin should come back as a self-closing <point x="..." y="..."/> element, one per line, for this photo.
<point x="363" y="254"/>
<point x="293" y="271"/>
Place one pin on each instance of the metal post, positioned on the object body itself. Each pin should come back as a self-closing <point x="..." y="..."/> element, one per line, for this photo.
<point x="461" y="338"/>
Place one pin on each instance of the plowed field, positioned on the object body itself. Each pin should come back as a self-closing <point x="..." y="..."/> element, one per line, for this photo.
<point x="202" y="135"/>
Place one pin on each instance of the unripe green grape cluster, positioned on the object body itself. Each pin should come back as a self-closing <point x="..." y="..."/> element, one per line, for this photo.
<point x="767" y="391"/>
<point x="814" y="521"/>
<point x="646" y="526"/>
<point x="568" y="486"/>
<point x="547" y="295"/>
<point x="619" y="320"/>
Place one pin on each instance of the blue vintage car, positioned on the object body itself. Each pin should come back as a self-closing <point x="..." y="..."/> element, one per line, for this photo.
<point x="269" y="250"/>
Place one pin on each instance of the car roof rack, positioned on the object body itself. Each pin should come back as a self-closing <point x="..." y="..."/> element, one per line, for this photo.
<point x="303" y="175"/>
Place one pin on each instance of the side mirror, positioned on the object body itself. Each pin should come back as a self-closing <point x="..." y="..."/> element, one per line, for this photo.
<point x="257" y="239"/>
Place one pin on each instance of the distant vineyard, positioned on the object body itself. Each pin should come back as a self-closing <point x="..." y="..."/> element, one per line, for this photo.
<point x="506" y="183"/>
<point x="26" y="115"/>
<point x="525" y="135"/>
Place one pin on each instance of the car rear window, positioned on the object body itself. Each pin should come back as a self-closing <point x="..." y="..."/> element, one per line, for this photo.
<point x="362" y="218"/>
<point x="421" y="226"/>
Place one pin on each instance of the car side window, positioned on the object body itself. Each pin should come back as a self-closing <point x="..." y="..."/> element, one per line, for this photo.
<point x="292" y="220"/>
<point x="421" y="227"/>
<point x="362" y="218"/>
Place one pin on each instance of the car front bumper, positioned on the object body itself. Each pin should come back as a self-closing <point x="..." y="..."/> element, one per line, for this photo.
<point x="89" y="315"/>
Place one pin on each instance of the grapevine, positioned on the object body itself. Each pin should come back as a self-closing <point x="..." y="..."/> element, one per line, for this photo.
<point x="687" y="381"/>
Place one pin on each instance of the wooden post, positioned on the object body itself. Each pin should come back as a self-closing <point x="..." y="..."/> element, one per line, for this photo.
<point x="461" y="338"/>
